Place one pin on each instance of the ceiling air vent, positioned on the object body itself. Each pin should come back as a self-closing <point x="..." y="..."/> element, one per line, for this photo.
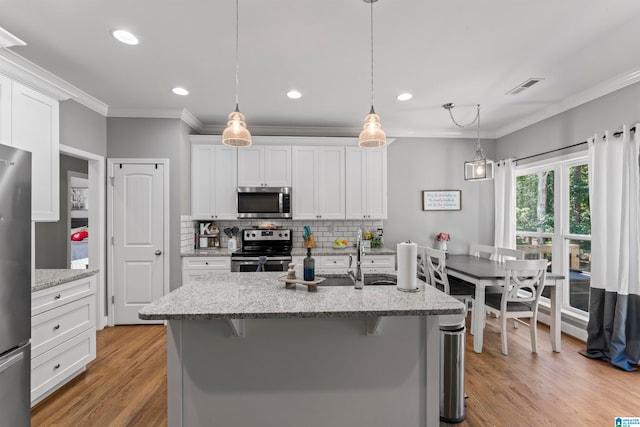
<point x="526" y="85"/>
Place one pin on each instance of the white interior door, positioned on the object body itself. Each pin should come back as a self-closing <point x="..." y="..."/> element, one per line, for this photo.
<point x="138" y="239"/>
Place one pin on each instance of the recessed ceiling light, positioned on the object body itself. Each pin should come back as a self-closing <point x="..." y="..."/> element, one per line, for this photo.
<point x="125" y="37"/>
<point x="180" y="91"/>
<point x="404" y="96"/>
<point x="294" y="94"/>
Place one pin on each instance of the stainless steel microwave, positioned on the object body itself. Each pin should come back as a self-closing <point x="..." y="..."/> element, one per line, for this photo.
<point x="264" y="202"/>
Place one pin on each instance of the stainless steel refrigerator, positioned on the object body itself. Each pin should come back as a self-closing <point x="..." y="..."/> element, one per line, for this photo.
<point x="15" y="287"/>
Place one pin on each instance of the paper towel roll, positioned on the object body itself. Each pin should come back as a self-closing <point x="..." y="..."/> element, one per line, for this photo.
<point x="407" y="265"/>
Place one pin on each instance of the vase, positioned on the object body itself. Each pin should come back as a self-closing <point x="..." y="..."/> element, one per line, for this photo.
<point x="442" y="244"/>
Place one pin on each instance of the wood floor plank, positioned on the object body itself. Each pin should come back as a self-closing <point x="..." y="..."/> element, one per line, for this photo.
<point x="126" y="384"/>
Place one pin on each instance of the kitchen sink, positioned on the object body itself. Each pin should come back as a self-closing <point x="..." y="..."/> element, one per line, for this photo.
<point x="369" y="280"/>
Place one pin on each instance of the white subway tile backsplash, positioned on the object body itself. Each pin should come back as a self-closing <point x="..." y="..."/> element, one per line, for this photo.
<point x="325" y="232"/>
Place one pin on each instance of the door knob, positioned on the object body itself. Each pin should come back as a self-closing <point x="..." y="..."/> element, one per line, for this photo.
<point x="158" y="252"/>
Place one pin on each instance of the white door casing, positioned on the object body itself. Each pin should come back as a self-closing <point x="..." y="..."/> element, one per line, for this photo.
<point x="139" y="212"/>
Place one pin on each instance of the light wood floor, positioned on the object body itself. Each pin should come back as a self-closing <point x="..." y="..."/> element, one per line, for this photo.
<point x="126" y="385"/>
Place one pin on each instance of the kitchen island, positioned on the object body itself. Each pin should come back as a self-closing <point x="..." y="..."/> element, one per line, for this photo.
<point x="242" y="350"/>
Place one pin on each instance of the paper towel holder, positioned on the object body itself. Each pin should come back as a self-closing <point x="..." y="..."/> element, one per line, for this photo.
<point x="416" y="289"/>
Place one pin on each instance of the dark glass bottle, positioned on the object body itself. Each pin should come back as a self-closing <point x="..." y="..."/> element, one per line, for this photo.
<point x="309" y="267"/>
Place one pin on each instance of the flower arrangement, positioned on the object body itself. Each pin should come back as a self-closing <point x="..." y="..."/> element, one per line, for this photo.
<point x="443" y="237"/>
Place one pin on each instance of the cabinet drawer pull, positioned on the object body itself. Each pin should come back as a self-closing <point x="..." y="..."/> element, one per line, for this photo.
<point x="206" y="263"/>
<point x="55" y="328"/>
<point x="57" y="366"/>
<point x="57" y="296"/>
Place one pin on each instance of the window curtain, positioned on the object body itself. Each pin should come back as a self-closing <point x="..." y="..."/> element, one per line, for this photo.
<point x="614" y="306"/>
<point x="505" y="205"/>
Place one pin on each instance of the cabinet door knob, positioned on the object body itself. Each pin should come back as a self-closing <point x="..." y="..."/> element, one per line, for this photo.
<point x="57" y="296"/>
<point x="57" y="366"/>
<point x="55" y="328"/>
<point x="206" y="263"/>
<point x="158" y="252"/>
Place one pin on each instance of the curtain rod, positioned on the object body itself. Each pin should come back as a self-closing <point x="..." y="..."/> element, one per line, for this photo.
<point x="615" y="134"/>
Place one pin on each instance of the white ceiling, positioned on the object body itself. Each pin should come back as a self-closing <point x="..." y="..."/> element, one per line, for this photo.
<point x="462" y="51"/>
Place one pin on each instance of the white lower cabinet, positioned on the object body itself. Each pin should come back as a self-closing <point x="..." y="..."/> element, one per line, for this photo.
<point x="339" y="264"/>
<point x="63" y="334"/>
<point x="379" y="263"/>
<point x="198" y="266"/>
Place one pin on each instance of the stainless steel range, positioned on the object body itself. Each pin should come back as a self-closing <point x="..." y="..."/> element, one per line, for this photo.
<point x="263" y="250"/>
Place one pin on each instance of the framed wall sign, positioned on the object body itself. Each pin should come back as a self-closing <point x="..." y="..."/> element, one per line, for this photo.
<point x="442" y="200"/>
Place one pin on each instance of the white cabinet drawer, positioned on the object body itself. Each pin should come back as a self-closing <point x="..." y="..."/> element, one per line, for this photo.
<point x="57" y="365"/>
<point x="53" y="327"/>
<point x="333" y="263"/>
<point x="56" y="296"/>
<point x="379" y="263"/>
<point x="211" y="263"/>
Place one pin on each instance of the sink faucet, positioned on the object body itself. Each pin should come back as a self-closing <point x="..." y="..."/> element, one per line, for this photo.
<point x="358" y="276"/>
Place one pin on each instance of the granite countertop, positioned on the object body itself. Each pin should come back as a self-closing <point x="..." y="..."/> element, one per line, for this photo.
<point x="262" y="296"/>
<point x="208" y="252"/>
<point x="329" y="251"/>
<point x="319" y="251"/>
<point x="47" y="278"/>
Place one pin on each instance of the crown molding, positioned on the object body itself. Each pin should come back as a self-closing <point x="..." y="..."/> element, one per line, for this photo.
<point x="21" y="69"/>
<point x="191" y="120"/>
<point x="7" y="39"/>
<point x="573" y="101"/>
<point x="288" y="140"/>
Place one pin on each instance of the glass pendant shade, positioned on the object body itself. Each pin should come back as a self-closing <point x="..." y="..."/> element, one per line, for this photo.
<point x="372" y="134"/>
<point x="236" y="134"/>
<point x="479" y="168"/>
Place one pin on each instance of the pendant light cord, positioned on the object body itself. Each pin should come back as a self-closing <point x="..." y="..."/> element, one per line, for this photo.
<point x="237" y="44"/>
<point x="371" y="3"/>
<point x="478" y="118"/>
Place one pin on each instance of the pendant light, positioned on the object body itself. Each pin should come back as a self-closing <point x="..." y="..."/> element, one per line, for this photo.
<point x="478" y="168"/>
<point x="236" y="134"/>
<point x="372" y="134"/>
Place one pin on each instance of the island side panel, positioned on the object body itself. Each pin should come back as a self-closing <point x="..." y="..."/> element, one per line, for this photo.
<point x="174" y="373"/>
<point x="311" y="372"/>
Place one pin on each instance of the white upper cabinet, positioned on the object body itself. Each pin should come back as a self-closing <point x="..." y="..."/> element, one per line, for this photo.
<point x="213" y="181"/>
<point x="35" y="127"/>
<point x="264" y="166"/>
<point x="5" y="110"/>
<point x="366" y="185"/>
<point x="318" y="182"/>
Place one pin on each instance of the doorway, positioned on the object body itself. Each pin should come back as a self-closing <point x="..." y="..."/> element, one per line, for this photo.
<point x="138" y="229"/>
<point x="78" y="220"/>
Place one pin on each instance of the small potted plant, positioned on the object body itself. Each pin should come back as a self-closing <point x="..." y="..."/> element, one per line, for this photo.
<point x="442" y="239"/>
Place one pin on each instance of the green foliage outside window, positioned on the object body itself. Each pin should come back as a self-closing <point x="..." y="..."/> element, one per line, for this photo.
<point x="534" y="202"/>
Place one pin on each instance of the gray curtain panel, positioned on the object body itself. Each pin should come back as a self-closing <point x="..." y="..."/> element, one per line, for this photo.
<point x="614" y="329"/>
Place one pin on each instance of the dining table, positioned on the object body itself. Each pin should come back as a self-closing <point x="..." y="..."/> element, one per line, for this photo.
<point x="484" y="272"/>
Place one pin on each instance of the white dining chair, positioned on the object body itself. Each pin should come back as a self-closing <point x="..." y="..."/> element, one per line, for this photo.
<point x="437" y="268"/>
<point x="507" y="253"/>
<point x="483" y="251"/>
<point x="523" y="285"/>
<point x="422" y="272"/>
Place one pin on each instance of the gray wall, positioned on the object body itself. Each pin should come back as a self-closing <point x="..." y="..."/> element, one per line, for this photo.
<point x="608" y="112"/>
<point x="417" y="164"/>
<point x="156" y="139"/>
<point x="83" y="128"/>
<point x="51" y="238"/>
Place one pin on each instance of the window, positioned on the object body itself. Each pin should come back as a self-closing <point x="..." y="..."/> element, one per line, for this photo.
<point x="553" y="221"/>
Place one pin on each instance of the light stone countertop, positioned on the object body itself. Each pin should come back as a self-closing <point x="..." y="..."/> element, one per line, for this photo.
<point x="262" y="296"/>
<point x="47" y="278"/>
<point x="319" y="251"/>
<point x="329" y="251"/>
<point x="207" y="252"/>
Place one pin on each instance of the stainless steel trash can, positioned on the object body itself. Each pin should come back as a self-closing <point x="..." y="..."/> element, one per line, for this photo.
<point x="452" y="331"/>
